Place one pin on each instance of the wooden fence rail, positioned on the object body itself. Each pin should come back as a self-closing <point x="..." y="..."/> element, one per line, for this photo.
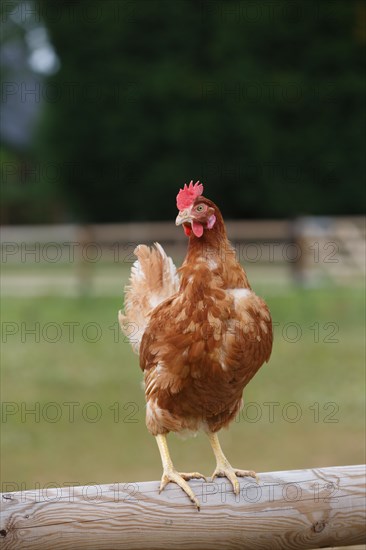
<point x="295" y="509"/>
<point x="308" y="245"/>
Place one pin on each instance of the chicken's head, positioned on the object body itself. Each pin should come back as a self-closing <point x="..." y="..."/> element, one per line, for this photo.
<point x="196" y="213"/>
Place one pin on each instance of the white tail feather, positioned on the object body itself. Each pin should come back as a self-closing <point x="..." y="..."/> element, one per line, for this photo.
<point x="153" y="279"/>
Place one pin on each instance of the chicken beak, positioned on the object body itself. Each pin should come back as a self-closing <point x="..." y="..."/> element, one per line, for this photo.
<point x="184" y="216"/>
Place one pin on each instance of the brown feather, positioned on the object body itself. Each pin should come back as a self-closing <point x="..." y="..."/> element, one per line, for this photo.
<point x="203" y="345"/>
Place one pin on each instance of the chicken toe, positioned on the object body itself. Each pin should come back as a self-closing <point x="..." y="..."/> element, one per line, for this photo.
<point x="171" y="475"/>
<point x="224" y="468"/>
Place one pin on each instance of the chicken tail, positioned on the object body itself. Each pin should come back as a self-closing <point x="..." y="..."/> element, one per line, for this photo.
<point x="153" y="279"/>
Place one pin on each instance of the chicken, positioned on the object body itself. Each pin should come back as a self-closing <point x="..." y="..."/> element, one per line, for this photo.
<point x="201" y="334"/>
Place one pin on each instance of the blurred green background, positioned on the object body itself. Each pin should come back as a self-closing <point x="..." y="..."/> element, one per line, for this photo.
<point x="260" y="100"/>
<point x="107" y="109"/>
<point x="75" y="410"/>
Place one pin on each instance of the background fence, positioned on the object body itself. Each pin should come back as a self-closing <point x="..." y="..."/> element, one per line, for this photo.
<point x="306" y="251"/>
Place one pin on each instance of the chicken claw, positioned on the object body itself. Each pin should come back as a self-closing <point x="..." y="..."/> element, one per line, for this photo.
<point x="181" y="480"/>
<point x="171" y="474"/>
<point x="226" y="470"/>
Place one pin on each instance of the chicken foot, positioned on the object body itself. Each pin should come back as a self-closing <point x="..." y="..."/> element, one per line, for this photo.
<point x="171" y="474"/>
<point x="223" y="466"/>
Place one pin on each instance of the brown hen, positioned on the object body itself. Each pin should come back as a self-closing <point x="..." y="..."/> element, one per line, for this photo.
<point x="201" y="334"/>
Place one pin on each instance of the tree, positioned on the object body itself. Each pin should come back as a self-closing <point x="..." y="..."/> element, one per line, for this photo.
<point x="262" y="101"/>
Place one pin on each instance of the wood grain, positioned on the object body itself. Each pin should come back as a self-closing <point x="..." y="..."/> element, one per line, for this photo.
<point x="298" y="509"/>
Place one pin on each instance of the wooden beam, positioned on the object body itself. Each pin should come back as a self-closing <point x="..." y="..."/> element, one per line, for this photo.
<point x="296" y="509"/>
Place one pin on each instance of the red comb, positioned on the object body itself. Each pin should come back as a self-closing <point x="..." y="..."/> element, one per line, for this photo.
<point x="188" y="194"/>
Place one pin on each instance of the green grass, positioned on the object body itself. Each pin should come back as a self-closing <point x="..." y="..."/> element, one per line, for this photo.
<point x="317" y="363"/>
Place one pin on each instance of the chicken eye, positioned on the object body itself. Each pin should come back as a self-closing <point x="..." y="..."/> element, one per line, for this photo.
<point x="200" y="208"/>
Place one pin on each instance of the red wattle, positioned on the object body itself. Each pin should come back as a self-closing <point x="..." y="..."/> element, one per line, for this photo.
<point x="197" y="229"/>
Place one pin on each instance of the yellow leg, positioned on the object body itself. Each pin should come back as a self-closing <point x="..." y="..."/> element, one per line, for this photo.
<point x="170" y="473"/>
<point x="223" y="466"/>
